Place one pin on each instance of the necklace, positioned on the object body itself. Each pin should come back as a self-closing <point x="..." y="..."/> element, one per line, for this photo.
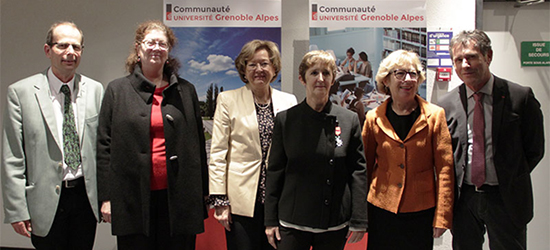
<point x="261" y="106"/>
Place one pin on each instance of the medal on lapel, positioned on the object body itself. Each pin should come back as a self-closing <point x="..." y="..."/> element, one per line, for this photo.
<point x="337" y="133"/>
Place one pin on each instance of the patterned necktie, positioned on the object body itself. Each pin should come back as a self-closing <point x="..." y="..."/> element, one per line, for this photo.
<point x="478" y="151"/>
<point x="71" y="147"/>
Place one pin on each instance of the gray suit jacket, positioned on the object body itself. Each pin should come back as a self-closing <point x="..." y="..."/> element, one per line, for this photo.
<point x="518" y="142"/>
<point x="32" y="167"/>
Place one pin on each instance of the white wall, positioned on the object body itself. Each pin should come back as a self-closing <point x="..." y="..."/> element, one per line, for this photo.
<point x="109" y="26"/>
<point x="508" y="27"/>
<point x="446" y="15"/>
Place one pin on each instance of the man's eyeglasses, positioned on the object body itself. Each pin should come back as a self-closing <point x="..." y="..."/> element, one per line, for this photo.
<point x="64" y="46"/>
<point x="253" y="66"/>
<point x="150" y="44"/>
<point x="402" y="74"/>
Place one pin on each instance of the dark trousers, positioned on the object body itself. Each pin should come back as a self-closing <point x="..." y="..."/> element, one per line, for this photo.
<point x="74" y="224"/>
<point x="293" y="239"/>
<point x="401" y="231"/>
<point x="248" y="233"/>
<point x="159" y="237"/>
<point x="475" y="212"/>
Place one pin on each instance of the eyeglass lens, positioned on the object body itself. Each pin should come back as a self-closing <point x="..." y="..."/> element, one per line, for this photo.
<point x="64" y="46"/>
<point x="401" y="74"/>
<point x="150" y="44"/>
<point x="262" y="65"/>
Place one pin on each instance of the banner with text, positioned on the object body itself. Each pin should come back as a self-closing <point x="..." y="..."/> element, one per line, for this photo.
<point x="334" y="14"/>
<point x="235" y="13"/>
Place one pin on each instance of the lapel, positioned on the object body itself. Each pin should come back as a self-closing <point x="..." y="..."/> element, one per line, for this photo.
<point x="421" y="122"/>
<point x="81" y="99"/>
<point x="500" y="94"/>
<point x="249" y="112"/>
<point x="384" y="123"/>
<point x="42" y="93"/>
<point x="462" y="114"/>
<point x="277" y="101"/>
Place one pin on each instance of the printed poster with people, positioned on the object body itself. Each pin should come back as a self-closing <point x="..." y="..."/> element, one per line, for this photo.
<point x="360" y="34"/>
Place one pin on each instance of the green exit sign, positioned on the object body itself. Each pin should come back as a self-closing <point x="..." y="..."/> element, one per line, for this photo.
<point x="535" y="53"/>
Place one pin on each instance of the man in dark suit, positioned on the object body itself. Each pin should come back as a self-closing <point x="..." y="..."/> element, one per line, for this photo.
<point x="497" y="133"/>
<point x="48" y="149"/>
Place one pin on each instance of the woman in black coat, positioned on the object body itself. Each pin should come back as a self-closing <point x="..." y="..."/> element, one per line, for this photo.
<point x="316" y="184"/>
<point x="152" y="171"/>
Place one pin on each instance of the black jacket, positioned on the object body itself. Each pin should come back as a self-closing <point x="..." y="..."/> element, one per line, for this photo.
<point x="518" y="142"/>
<point x="312" y="179"/>
<point x="124" y="155"/>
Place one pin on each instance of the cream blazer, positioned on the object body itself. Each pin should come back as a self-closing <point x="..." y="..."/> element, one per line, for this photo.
<point x="235" y="154"/>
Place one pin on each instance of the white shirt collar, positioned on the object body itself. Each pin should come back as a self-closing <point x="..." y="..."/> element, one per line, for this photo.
<point x="55" y="83"/>
<point x="487" y="89"/>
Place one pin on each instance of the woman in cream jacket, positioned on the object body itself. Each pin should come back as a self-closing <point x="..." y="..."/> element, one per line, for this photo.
<point x="243" y="124"/>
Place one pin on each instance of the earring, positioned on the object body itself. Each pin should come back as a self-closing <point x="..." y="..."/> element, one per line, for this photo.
<point x="139" y="59"/>
<point x="167" y="62"/>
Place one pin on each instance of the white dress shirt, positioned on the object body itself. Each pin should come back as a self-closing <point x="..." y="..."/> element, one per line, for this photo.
<point x="58" y="100"/>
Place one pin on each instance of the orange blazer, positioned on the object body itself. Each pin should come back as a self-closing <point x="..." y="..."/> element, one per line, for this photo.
<point x="415" y="174"/>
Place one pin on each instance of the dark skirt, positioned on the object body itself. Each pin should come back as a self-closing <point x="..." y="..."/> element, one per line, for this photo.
<point x="400" y="231"/>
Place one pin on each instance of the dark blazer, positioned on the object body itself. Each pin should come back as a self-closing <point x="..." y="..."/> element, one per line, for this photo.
<point x="124" y="155"/>
<point x="310" y="180"/>
<point x="518" y="142"/>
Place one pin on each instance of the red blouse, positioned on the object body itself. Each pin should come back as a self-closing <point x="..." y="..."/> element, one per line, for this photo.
<point x="159" y="179"/>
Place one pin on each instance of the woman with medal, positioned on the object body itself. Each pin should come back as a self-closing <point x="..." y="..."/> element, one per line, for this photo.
<point x="409" y="160"/>
<point x="316" y="177"/>
<point x="241" y="136"/>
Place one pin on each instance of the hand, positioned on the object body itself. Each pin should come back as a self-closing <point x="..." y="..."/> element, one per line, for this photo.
<point x="106" y="211"/>
<point x="438" y="232"/>
<point x="273" y="236"/>
<point x="22" y="227"/>
<point x="223" y="215"/>
<point x="355" y="236"/>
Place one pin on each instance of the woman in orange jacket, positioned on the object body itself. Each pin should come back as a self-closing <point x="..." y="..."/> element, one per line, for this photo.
<point x="409" y="161"/>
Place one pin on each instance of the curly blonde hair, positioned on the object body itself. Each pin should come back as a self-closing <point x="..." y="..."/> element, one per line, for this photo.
<point x="392" y="62"/>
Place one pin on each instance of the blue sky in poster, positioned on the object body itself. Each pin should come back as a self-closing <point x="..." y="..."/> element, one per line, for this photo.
<point x="207" y="54"/>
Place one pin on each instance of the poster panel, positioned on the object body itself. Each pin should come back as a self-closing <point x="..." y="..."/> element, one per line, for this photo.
<point x="371" y="28"/>
<point x="211" y="34"/>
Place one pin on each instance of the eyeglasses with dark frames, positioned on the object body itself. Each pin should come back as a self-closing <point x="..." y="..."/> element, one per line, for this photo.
<point x="402" y="74"/>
